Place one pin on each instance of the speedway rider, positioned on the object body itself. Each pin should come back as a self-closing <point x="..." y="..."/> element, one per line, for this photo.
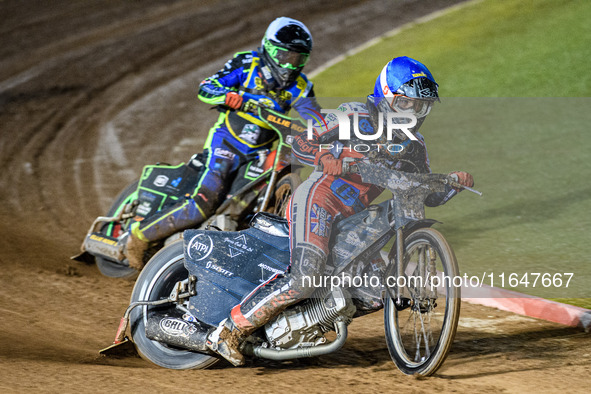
<point x="404" y="86"/>
<point x="270" y="77"/>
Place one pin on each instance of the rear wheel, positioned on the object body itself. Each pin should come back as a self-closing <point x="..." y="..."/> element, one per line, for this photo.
<point x="156" y="282"/>
<point x="421" y="326"/>
<point x="108" y="267"/>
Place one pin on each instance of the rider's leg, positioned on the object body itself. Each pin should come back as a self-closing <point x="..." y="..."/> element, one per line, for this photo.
<point x="265" y="302"/>
<point x="186" y="214"/>
<point x="190" y="212"/>
<point x="310" y="229"/>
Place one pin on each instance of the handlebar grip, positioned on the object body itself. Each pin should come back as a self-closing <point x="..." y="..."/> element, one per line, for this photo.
<point x="454" y="183"/>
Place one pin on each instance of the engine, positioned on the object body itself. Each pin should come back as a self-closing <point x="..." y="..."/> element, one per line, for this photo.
<point x="305" y="324"/>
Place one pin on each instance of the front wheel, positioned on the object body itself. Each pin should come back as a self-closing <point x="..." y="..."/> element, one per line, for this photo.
<point x="156" y="282"/>
<point x="421" y="322"/>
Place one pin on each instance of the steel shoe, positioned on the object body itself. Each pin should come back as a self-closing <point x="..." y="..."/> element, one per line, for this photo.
<point x="225" y="340"/>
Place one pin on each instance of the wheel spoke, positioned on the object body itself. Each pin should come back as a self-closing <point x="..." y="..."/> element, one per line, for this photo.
<point x="420" y="336"/>
<point x="424" y="332"/>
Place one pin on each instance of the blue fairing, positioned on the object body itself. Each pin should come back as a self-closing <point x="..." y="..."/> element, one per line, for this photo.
<point x="230" y="265"/>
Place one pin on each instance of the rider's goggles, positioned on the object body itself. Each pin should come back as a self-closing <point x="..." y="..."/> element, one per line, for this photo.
<point x="419" y="107"/>
<point x="285" y="58"/>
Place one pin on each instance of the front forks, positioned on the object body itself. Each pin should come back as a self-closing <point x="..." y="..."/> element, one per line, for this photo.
<point x="400" y="270"/>
<point x="424" y="298"/>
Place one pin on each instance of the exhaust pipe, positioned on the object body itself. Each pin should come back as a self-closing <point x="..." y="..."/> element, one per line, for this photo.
<point x="290" y="354"/>
<point x="177" y="332"/>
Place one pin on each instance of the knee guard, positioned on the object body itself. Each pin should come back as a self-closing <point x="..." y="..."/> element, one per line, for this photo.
<point x="271" y="298"/>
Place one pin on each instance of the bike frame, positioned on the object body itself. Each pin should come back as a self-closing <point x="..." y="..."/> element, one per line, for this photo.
<point x="283" y="126"/>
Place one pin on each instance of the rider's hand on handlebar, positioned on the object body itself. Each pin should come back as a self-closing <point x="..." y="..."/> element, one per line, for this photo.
<point x="233" y="100"/>
<point x="331" y="165"/>
<point x="250" y="106"/>
<point x="463" y="178"/>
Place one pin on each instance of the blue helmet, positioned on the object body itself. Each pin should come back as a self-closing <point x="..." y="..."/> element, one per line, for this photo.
<point x="405" y="85"/>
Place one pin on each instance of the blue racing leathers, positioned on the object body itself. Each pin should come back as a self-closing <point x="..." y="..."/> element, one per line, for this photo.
<point x="234" y="138"/>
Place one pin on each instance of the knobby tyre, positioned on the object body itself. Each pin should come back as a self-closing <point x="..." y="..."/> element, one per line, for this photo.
<point x="421" y="330"/>
<point x="156" y="282"/>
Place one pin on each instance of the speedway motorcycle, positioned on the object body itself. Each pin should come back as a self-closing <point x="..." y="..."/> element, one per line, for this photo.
<point x="191" y="285"/>
<point x="264" y="183"/>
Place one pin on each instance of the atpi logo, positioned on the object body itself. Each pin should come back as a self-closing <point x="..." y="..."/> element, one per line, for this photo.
<point x="394" y="121"/>
<point x="200" y="246"/>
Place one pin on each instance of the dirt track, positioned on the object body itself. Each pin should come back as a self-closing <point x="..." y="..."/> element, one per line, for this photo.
<point x="90" y="92"/>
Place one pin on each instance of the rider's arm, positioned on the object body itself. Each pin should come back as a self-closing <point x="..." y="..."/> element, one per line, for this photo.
<point x="438" y="198"/>
<point x="213" y="90"/>
<point x="307" y="106"/>
<point x="310" y="150"/>
<point x="304" y="149"/>
<point x="325" y="138"/>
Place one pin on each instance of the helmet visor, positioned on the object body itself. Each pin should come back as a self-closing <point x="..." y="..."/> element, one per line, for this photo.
<point x="419" y="107"/>
<point x="285" y="58"/>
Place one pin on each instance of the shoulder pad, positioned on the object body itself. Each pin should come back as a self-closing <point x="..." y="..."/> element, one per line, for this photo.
<point x="245" y="54"/>
<point x="305" y="78"/>
<point x="304" y="84"/>
<point x="242" y="58"/>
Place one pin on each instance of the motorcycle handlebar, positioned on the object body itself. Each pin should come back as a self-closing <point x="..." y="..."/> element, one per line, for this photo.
<point x="350" y="167"/>
<point x="452" y="180"/>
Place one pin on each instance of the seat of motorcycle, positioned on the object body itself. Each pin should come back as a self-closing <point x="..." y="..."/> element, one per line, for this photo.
<point x="270" y="224"/>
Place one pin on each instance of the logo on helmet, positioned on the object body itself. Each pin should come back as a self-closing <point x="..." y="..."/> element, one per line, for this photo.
<point x="427" y="93"/>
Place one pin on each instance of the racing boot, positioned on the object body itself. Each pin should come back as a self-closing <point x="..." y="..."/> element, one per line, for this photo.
<point x="135" y="251"/>
<point x="225" y="340"/>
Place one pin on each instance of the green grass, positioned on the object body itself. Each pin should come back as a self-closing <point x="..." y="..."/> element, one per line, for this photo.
<point x="502" y="48"/>
<point x="582" y="302"/>
<point x="515" y="81"/>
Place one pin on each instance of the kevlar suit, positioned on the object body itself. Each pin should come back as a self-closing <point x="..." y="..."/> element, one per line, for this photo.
<point x="320" y="200"/>
<point x="232" y="140"/>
